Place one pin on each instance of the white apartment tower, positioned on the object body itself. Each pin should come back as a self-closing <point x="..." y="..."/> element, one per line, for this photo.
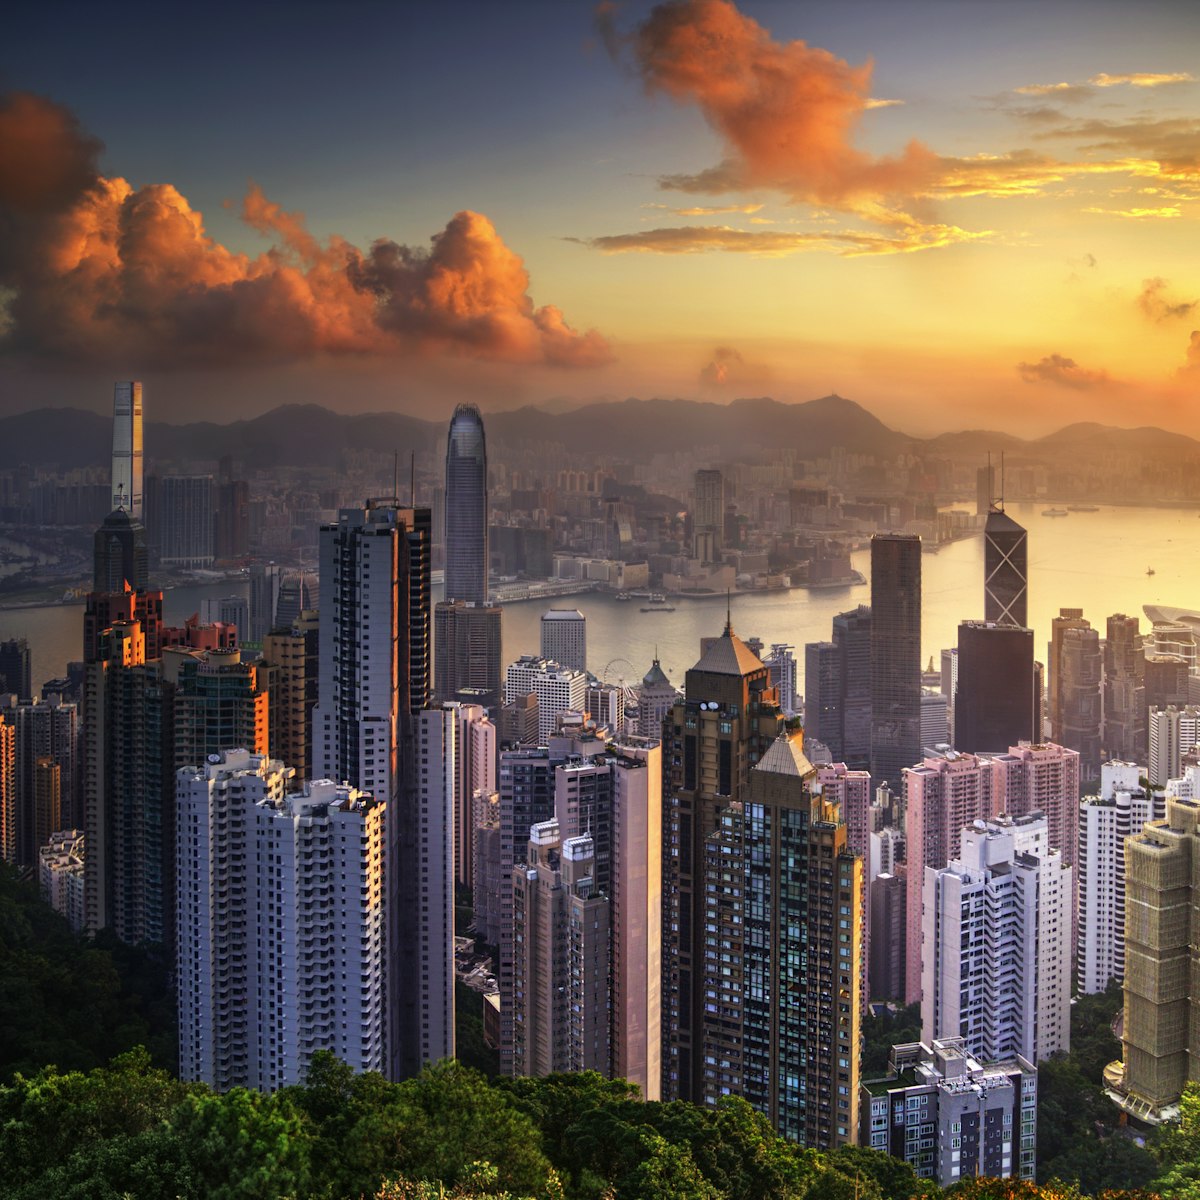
<point x="127" y="448"/>
<point x="558" y="690"/>
<point x="1120" y="809"/>
<point x="564" y="637"/>
<point x="1171" y="732"/>
<point x="997" y="943"/>
<point x="279" y="924"/>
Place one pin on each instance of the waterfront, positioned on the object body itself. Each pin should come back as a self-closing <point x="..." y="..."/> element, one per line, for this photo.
<point x="1094" y="561"/>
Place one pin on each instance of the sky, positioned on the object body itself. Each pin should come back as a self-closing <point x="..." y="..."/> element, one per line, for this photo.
<point x="962" y="215"/>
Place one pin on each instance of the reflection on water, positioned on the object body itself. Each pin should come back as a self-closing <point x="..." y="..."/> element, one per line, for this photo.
<point x="1094" y="561"/>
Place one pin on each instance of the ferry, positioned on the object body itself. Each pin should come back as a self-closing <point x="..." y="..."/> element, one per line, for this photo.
<point x="1083" y="508"/>
<point x="1055" y="512"/>
<point x="660" y="608"/>
<point x="623" y="596"/>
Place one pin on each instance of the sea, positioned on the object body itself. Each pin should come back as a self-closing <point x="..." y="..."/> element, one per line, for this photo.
<point x="1098" y="561"/>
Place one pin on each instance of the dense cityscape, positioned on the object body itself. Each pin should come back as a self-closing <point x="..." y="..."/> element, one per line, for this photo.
<point x="598" y="601"/>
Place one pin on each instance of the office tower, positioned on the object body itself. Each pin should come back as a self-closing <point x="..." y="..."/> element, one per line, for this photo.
<point x="635" y="914"/>
<point x="935" y="719"/>
<point x="792" y="918"/>
<point x="294" y="654"/>
<point x="185" y="522"/>
<point x="837" y="689"/>
<point x="985" y="489"/>
<point x="886" y="959"/>
<point x="280" y="924"/>
<point x="997" y="943"/>
<point x="1166" y="681"/>
<point x="558" y="689"/>
<point x="1117" y="811"/>
<point x="220" y="703"/>
<point x="1068" y="618"/>
<point x="60" y="875"/>
<point x="466" y="508"/>
<point x="8" y="792"/>
<point x="229" y="610"/>
<point x="943" y="794"/>
<point x="466" y="642"/>
<point x="1172" y="732"/>
<point x="851" y="791"/>
<point x="374" y="675"/>
<point x="48" y="729"/>
<point x="560" y="964"/>
<point x="727" y="719"/>
<point x="119" y="556"/>
<point x="1005" y="570"/>
<point x="708" y="516"/>
<point x="127" y="449"/>
<point x="295" y="595"/>
<point x="564" y="638"/>
<point x="997" y="701"/>
<point x="519" y="722"/>
<point x="1162" y="997"/>
<point x="656" y="698"/>
<point x="15" y="670"/>
<point x="264" y="597"/>
<point x="895" y="654"/>
<point x="1124" y="689"/>
<point x="231" y="521"/>
<point x="952" y="1117"/>
<point x="1079" y="694"/>
<point x="605" y="706"/>
<point x="949" y="673"/>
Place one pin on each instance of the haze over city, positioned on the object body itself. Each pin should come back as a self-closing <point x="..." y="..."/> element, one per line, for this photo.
<point x="958" y="216"/>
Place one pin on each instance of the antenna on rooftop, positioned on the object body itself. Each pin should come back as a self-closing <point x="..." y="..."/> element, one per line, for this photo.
<point x="396" y="476"/>
<point x="412" y="480"/>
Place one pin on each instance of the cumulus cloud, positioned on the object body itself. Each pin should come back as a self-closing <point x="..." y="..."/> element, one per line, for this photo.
<point x="1055" y="368"/>
<point x="729" y="368"/>
<point x="95" y="270"/>
<point x="786" y="112"/>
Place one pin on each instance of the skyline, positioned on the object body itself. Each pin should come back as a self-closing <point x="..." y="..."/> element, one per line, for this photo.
<point x="989" y="214"/>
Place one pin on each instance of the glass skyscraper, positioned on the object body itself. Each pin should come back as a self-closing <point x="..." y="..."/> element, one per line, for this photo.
<point x="466" y="508"/>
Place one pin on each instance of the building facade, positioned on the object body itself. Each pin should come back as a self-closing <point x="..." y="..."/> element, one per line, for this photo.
<point x="895" y="655"/>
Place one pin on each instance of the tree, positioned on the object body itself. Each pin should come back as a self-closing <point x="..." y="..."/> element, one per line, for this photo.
<point x="666" y="1172"/>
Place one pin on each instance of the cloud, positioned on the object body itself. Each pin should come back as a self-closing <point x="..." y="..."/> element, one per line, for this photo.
<point x="874" y="102"/>
<point x="708" y="210"/>
<point x="786" y="112"/>
<point x="728" y="368"/>
<point x="96" y="271"/>
<point x="1192" y="365"/>
<point x="1142" y="79"/>
<point x="1155" y="303"/>
<point x="1168" y="213"/>
<point x="1054" y="368"/>
<point x="1048" y="89"/>
<point x="695" y="239"/>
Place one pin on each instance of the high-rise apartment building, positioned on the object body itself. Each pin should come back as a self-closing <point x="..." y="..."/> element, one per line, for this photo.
<point x="8" y="792"/>
<point x="15" y="669"/>
<point x="466" y="641"/>
<point x="781" y="663"/>
<point x="1172" y="732"/>
<point x="726" y="721"/>
<point x="220" y="703"/>
<point x="997" y="943"/>
<point x="477" y="748"/>
<point x="185" y="522"/>
<point x="1161" y="1026"/>
<point x="60" y="875"/>
<point x="1124" y="689"/>
<point x="952" y="1117"/>
<point x="895" y="655"/>
<point x="708" y="516"/>
<point x="564" y="638"/>
<point x="1117" y="811"/>
<point x="292" y="655"/>
<point x="853" y="793"/>
<point x="127" y="448"/>
<point x="887" y="950"/>
<point x="466" y="508"/>
<point x="1079" y="715"/>
<point x="280" y="924"/>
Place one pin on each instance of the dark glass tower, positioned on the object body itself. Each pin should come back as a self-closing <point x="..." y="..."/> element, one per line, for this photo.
<point x="119" y="555"/>
<point x="997" y="700"/>
<point x="837" y="682"/>
<point x="1005" y="570"/>
<point x="895" y="655"/>
<point x="466" y="508"/>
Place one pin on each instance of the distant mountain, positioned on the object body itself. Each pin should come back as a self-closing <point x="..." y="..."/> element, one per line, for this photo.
<point x="312" y="436"/>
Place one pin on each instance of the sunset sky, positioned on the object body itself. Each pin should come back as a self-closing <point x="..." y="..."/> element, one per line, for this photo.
<point x="959" y="214"/>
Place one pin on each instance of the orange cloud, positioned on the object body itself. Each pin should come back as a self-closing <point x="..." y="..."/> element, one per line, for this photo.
<point x="1142" y="79"/>
<point x="786" y="111"/>
<point x="728" y="368"/>
<point x="1055" y="368"/>
<point x="97" y="271"/>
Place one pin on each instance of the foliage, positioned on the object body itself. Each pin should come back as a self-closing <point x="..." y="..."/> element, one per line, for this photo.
<point x="884" y="1030"/>
<point x="1177" y="1148"/>
<point x="71" y="1002"/>
<point x="470" y="1047"/>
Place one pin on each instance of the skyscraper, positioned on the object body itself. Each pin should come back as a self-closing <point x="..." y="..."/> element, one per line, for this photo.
<point x="8" y="792"/>
<point x="466" y="508"/>
<point x="127" y="448"/>
<point x="997" y="943"/>
<point x="264" y="597"/>
<point x="1005" y="570"/>
<point x="15" y="669"/>
<point x="1079" y="697"/>
<point x="837" y="689"/>
<point x="185" y="523"/>
<point x="466" y="642"/>
<point x="119" y="554"/>
<point x="895" y="655"/>
<point x="564" y="637"/>
<point x="294" y="654"/>
<point x="997" y="701"/>
<point x="708" y="516"/>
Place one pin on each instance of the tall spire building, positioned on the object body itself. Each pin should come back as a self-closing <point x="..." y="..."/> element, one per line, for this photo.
<point x="1005" y="569"/>
<point x="466" y="508"/>
<point x="127" y="448"/>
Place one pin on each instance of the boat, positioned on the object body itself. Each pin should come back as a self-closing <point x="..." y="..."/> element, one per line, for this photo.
<point x="1083" y="508"/>
<point x="1149" y="570"/>
<point x="660" y="608"/>
<point x="1055" y="512"/>
<point x="622" y="596"/>
<point x="852" y="580"/>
